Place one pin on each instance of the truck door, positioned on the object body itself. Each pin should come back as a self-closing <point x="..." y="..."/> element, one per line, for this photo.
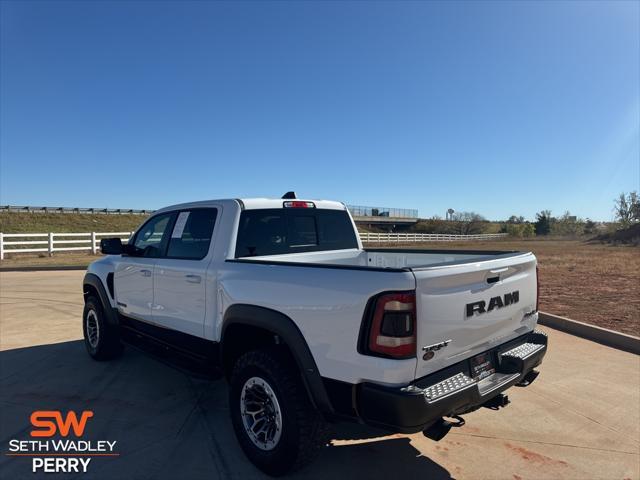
<point x="180" y="278"/>
<point x="133" y="275"/>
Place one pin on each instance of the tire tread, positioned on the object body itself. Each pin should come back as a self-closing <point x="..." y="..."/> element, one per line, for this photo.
<point x="312" y="428"/>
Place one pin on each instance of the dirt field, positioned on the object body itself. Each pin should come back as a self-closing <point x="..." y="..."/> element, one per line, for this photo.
<point x="592" y="283"/>
<point x="59" y="259"/>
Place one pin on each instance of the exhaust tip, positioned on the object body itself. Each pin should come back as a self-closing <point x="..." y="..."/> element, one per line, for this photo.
<point x="497" y="402"/>
<point x="440" y="428"/>
<point x="528" y="379"/>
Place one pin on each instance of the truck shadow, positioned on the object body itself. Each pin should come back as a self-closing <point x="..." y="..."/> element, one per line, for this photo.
<point x="167" y="423"/>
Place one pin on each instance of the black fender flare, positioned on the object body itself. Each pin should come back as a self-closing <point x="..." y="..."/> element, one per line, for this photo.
<point x="288" y="331"/>
<point x="111" y="314"/>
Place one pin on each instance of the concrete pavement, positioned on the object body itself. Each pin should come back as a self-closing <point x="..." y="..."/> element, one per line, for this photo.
<point x="579" y="420"/>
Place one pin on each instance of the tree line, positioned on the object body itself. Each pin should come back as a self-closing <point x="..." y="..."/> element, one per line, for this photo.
<point x="626" y="212"/>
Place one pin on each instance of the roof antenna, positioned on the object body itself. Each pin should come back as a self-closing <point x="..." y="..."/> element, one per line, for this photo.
<point x="289" y="196"/>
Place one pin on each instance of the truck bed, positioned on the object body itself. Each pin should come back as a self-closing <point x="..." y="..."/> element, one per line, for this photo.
<point x="471" y="300"/>
<point x="385" y="258"/>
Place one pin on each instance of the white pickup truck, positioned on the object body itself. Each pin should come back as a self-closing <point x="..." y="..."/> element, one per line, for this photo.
<point x="310" y="327"/>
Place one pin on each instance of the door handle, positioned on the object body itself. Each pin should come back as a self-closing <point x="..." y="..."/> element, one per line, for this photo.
<point x="193" y="278"/>
<point x="145" y="273"/>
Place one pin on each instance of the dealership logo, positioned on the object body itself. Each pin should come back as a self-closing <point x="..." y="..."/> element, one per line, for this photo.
<point x="42" y="419"/>
<point x="51" y="454"/>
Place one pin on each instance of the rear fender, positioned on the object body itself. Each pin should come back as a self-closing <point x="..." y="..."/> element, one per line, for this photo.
<point x="290" y="334"/>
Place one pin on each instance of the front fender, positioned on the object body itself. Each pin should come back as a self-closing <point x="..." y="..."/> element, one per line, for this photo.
<point x="93" y="282"/>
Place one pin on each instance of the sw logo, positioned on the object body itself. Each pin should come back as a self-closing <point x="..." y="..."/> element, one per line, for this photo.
<point x="494" y="302"/>
<point x="44" y="419"/>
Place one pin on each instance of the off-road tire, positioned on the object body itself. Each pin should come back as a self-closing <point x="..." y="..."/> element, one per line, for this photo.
<point x="304" y="430"/>
<point x="107" y="345"/>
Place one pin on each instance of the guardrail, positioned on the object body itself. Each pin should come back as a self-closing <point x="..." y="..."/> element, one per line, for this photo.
<point x="54" y="242"/>
<point x="108" y="211"/>
<point x="425" y="237"/>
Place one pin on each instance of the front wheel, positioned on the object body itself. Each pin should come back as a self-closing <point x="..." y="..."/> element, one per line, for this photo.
<point x="274" y="421"/>
<point x="101" y="339"/>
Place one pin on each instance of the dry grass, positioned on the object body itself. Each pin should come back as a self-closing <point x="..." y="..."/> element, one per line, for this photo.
<point x="19" y="222"/>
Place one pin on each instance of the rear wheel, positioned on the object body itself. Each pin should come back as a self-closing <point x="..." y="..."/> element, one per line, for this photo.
<point x="101" y="339"/>
<point x="275" y="423"/>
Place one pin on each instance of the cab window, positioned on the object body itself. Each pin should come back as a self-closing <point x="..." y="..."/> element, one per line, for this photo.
<point x="191" y="234"/>
<point x="280" y="231"/>
<point x="151" y="239"/>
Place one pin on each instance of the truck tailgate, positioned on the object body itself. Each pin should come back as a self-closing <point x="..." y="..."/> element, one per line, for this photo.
<point x="472" y="307"/>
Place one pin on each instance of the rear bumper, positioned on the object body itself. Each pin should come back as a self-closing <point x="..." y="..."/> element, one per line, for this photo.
<point x="451" y="391"/>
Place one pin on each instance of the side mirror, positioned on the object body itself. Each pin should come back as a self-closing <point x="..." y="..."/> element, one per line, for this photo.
<point x="131" y="250"/>
<point x="111" y="246"/>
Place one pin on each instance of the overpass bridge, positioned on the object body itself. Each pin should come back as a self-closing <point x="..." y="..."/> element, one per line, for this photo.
<point x="383" y="217"/>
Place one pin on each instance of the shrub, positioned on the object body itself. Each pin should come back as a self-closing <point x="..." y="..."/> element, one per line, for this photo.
<point x="543" y="222"/>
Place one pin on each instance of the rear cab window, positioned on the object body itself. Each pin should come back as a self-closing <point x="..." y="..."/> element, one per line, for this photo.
<point x="279" y="231"/>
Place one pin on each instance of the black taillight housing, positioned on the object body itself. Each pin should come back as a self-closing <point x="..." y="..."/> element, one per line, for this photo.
<point x="390" y="326"/>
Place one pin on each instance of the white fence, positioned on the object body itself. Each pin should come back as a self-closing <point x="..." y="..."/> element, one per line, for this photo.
<point x="68" y="242"/>
<point x="425" y="237"/>
<point x="55" y="242"/>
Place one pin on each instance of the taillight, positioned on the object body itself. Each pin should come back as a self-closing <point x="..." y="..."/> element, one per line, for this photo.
<point x="298" y="204"/>
<point x="537" y="287"/>
<point x="393" y="325"/>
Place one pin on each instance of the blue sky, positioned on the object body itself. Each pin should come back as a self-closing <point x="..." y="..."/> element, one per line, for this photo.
<point x="497" y="107"/>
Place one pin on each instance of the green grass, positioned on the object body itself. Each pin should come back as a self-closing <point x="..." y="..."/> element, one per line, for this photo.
<point x="18" y="222"/>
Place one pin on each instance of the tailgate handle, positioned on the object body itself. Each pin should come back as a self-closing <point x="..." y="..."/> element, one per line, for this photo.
<point x="499" y="270"/>
<point x="496" y="272"/>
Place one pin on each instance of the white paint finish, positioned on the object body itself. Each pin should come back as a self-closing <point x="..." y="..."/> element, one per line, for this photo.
<point x="101" y="268"/>
<point x="327" y="304"/>
<point x="179" y="295"/>
<point x="442" y="296"/>
<point x="185" y="290"/>
<point x="134" y="286"/>
<point x="255" y="203"/>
